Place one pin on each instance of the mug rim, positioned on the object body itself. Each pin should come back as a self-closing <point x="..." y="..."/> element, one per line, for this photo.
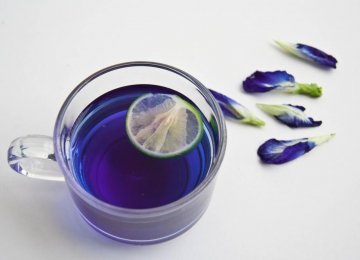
<point x="147" y="212"/>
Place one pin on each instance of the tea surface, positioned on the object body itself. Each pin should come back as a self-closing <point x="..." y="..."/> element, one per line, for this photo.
<point x="108" y="165"/>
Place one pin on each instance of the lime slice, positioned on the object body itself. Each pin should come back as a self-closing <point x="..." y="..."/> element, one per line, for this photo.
<point x="163" y="125"/>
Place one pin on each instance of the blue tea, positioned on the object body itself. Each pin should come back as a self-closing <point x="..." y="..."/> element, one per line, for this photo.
<point x="111" y="168"/>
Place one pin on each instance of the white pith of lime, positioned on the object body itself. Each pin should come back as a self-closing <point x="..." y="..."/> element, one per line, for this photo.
<point x="163" y="125"/>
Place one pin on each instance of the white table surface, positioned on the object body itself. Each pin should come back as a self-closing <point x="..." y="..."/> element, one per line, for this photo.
<point x="306" y="209"/>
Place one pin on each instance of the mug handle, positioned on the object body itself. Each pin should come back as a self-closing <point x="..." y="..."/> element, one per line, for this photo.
<point x="33" y="156"/>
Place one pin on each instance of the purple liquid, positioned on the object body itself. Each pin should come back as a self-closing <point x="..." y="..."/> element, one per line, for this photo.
<point x="109" y="167"/>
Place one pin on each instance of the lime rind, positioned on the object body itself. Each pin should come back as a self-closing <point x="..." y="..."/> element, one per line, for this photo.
<point x="169" y="131"/>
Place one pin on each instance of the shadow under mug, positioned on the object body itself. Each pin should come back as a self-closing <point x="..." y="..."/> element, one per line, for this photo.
<point x="48" y="158"/>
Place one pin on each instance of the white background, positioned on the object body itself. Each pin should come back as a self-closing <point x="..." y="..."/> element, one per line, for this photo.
<point x="306" y="209"/>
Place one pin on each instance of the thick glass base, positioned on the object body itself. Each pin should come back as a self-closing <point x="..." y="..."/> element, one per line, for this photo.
<point x="143" y="242"/>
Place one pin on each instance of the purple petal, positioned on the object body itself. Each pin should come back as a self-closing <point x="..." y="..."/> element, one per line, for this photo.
<point x="308" y="53"/>
<point x="298" y="107"/>
<point x="316" y="55"/>
<point x="290" y="115"/>
<point x="281" y="151"/>
<point x="234" y="110"/>
<point x="265" y="81"/>
<point x="226" y="104"/>
<point x="295" y="122"/>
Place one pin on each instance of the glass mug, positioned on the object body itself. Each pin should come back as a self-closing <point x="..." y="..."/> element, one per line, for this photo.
<point x="48" y="158"/>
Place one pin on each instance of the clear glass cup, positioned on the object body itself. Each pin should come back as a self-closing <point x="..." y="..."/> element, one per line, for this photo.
<point x="48" y="158"/>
